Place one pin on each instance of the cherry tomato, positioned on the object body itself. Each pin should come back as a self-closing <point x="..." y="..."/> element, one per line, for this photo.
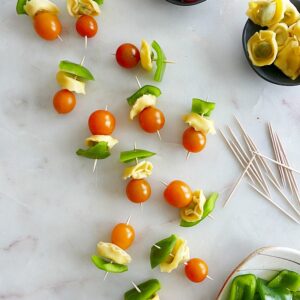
<point x="102" y="122"/>
<point x="87" y="26"/>
<point x="138" y="190"/>
<point x="47" y="26"/>
<point x="193" y="141"/>
<point x="196" y="270"/>
<point x="178" y="194"/>
<point x="151" y="119"/>
<point x="64" y="101"/>
<point x="123" y="235"/>
<point x="128" y="56"/>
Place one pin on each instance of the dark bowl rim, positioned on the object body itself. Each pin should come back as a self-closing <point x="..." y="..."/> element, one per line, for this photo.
<point x="182" y="4"/>
<point x="292" y="83"/>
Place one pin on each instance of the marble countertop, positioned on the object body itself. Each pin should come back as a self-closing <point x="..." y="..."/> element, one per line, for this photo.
<point x="54" y="210"/>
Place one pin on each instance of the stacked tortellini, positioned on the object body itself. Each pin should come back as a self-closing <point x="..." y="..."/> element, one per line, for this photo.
<point x="279" y="43"/>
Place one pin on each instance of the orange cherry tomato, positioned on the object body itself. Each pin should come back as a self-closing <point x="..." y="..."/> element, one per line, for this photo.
<point x="64" y="101"/>
<point x="128" y="56"/>
<point x="193" y="141"/>
<point x="86" y="26"/>
<point x="151" y="119"/>
<point x="178" y="194"/>
<point x="102" y="122"/>
<point x="138" y="190"/>
<point x="196" y="270"/>
<point x="123" y="235"/>
<point x="47" y="26"/>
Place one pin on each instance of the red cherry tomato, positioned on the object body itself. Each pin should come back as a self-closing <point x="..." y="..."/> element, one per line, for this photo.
<point x="47" y="26"/>
<point x="64" y="101"/>
<point x="102" y="122"/>
<point x="196" y="270"/>
<point x="193" y="141"/>
<point x="87" y="26"/>
<point x="178" y="194"/>
<point x="151" y="119"/>
<point x="123" y="235"/>
<point x="128" y="56"/>
<point x="138" y="190"/>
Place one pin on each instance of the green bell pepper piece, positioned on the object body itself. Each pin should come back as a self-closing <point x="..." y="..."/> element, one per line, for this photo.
<point x="99" y="151"/>
<point x="128" y="156"/>
<point x="99" y="2"/>
<point x="145" y="90"/>
<point x="207" y="209"/>
<point x="296" y="296"/>
<point x="107" y="266"/>
<point x="267" y="293"/>
<point x="162" y="250"/>
<point x="286" y="279"/>
<point x="75" y="69"/>
<point x="243" y="287"/>
<point x="20" y="7"/>
<point x="160" y="62"/>
<point x="202" y="107"/>
<point x="148" y="290"/>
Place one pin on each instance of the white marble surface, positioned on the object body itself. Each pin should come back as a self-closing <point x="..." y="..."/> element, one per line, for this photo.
<point x="54" y="210"/>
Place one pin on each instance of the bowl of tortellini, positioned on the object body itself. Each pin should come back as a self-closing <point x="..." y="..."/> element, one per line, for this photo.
<point x="271" y="40"/>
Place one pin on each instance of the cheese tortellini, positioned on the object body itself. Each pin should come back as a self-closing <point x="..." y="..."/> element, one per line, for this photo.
<point x="266" y="12"/>
<point x="67" y="81"/>
<point x="142" y="170"/>
<point x="95" y="139"/>
<point x="145" y="54"/>
<point x="200" y="123"/>
<point x="294" y="30"/>
<point x="282" y="34"/>
<point x="179" y="254"/>
<point x="77" y="8"/>
<point x="32" y="7"/>
<point x="291" y="14"/>
<point x="114" y="253"/>
<point x="288" y="60"/>
<point x="194" y="211"/>
<point x="142" y="103"/>
<point x="262" y="48"/>
<point x="156" y="297"/>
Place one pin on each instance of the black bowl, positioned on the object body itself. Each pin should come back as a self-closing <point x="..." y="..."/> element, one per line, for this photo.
<point x="269" y="73"/>
<point x="186" y="2"/>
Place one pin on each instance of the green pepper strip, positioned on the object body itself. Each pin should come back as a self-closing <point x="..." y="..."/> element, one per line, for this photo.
<point x="209" y="206"/>
<point x="162" y="250"/>
<point x="75" y="69"/>
<point x="99" y="2"/>
<point x="202" y="107"/>
<point x="286" y="279"/>
<point x="20" y="7"/>
<point x="106" y="266"/>
<point x="267" y="293"/>
<point x="160" y="62"/>
<point x="145" y="90"/>
<point x="243" y="287"/>
<point x="99" y="151"/>
<point x="128" y="156"/>
<point x="148" y="290"/>
<point x="296" y="296"/>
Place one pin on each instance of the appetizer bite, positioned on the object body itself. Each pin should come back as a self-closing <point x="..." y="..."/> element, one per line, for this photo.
<point x="173" y="251"/>
<point x="112" y="257"/>
<point x="101" y="124"/>
<point x="85" y="11"/>
<point x="44" y="14"/>
<point x="278" y="44"/>
<point x="142" y="104"/>
<point x="194" y="137"/>
<point x="284" y="285"/>
<point x="138" y="189"/>
<point x="72" y="78"/>
<point x="193" y="205"/>
<point x="128" y="56"/>
<point x="144" y="291"/>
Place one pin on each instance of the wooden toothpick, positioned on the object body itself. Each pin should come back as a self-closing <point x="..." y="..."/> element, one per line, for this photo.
<point x="136" y="287"/>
